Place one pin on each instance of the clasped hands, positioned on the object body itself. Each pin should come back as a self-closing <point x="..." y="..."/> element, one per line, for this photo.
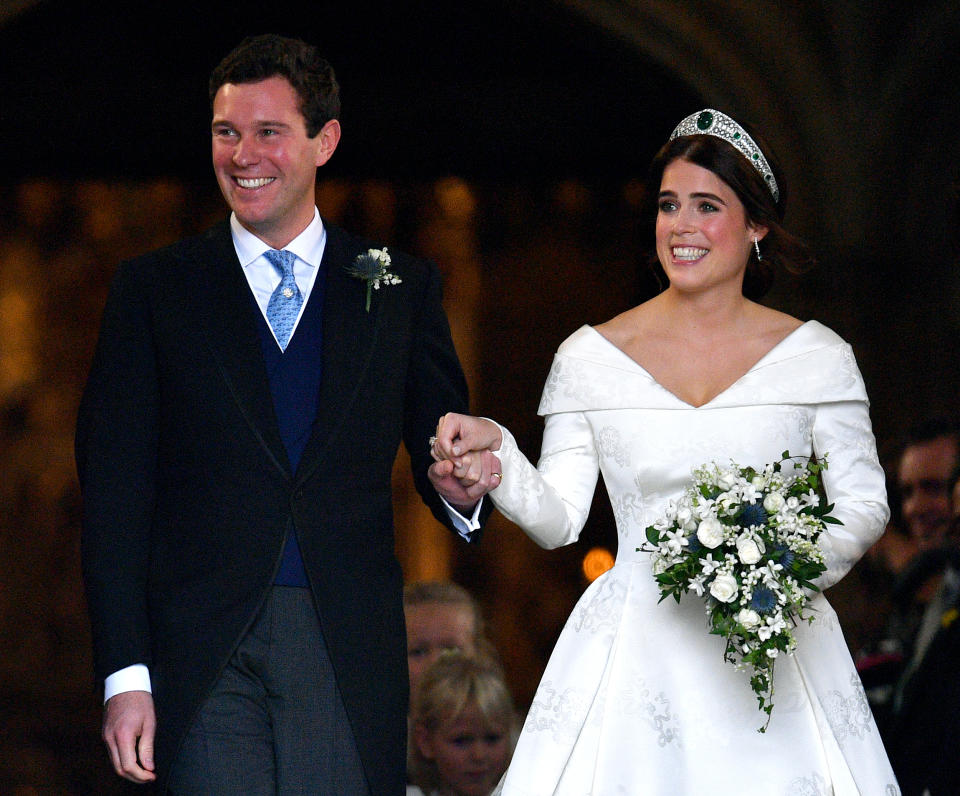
<point x="465" y="467"/>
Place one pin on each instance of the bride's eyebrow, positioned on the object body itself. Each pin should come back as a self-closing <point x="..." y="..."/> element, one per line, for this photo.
<point x="711" y="196"/>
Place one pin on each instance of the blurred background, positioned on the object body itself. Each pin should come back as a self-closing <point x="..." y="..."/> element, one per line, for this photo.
<point x="509" y="142"/>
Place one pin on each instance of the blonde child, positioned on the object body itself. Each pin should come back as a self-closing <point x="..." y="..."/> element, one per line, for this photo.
<point x="461" y="722"/>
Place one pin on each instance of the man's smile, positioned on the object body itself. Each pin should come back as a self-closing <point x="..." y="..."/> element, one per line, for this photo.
<point x="253" y="182"/>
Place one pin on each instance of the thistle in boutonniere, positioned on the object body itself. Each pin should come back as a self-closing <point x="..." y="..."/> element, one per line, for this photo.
<point x="372" y="267"/>
<point x="747" y="542"/>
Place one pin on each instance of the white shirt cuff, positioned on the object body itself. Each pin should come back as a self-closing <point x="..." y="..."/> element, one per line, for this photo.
<point x="465" y="526"/>
<point x="132" y="678"/>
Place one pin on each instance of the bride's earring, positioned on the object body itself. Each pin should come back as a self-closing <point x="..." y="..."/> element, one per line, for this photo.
<point x="756" y="246"/>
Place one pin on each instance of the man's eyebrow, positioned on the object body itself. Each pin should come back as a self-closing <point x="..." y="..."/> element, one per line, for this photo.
<point x="262" y="123"/>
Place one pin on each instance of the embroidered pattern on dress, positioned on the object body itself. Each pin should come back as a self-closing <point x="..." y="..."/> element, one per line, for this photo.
<point x="655" y="710"/>
<point x="628" y="508"/>
<point x="849" y="716"/>
<point x="611" y="447"/>
<point x="561" y="714"/>
<point x="602" y="612"/>
<point x="814" y="785"/>
<point x="526" y="487"/>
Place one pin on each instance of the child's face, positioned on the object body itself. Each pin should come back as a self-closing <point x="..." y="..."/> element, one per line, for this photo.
<point x="471" y="753"/>
<point x="434" y="628"/>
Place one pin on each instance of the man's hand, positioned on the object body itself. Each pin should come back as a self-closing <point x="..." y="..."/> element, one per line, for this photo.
<point x="466" y="468"/>
<point x="129" y="726"/>
<point x="464" y="481"/>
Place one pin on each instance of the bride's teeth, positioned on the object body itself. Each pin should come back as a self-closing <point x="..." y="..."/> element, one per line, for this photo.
<point x="688" y="253"/>
<point x="259" y="182"/>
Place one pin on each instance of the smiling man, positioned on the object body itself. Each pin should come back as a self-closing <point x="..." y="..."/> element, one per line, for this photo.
<point x="235" y="445"/>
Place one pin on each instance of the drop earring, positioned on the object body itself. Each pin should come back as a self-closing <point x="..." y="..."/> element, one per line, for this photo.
<point x="756" y="246"/>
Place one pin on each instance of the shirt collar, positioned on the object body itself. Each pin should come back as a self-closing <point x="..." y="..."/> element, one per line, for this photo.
<point x="308" y="245"/>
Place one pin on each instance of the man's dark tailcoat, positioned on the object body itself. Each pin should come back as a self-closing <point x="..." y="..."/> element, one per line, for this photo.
<point x="188" y="494"/>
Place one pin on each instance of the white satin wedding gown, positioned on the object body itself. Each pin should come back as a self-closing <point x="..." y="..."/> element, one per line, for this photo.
<point x="636" y="697"/>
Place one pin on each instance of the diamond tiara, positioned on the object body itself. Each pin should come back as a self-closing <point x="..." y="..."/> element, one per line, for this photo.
<point x="719" y="125"/>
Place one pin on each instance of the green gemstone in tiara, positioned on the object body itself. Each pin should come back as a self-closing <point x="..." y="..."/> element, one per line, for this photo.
<point x="719" y="125"/>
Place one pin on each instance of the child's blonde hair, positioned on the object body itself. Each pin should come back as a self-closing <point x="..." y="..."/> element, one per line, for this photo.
<point x="452" y="684"/>
<point x="444" y="592"/>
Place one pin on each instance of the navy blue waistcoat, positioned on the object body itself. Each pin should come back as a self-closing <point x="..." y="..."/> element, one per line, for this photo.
<point x="294" y="377"/>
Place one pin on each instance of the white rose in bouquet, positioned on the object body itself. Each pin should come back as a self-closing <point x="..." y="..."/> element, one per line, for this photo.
<point x="727" y="479"/>
<point x="724" y="588"/>
<point x="774" y="502"/>
<point x="748" y="551"/>
<point x="710" y="532"/>
<point x="749" y="619"/>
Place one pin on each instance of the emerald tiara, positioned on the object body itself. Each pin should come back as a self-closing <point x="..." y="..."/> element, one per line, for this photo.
<point x="719" y="125"/>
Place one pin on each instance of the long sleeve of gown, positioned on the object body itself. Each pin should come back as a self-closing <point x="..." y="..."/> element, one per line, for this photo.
<point x="550" y="501"/>
<point x="854" y="483"/>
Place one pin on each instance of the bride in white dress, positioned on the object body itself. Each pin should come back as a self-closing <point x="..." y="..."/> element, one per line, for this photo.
<point x="636" y="697"/>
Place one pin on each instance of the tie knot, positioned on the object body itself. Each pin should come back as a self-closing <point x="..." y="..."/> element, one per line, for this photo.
<point x="281" y="260"/>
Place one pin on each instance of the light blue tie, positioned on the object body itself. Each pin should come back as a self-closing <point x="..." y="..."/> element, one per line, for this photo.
<point x="286" y="300"/>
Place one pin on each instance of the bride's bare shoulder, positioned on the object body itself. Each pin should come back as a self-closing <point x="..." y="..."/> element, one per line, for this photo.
<point x="628" y="326"/>
<point x="773" y="323"/>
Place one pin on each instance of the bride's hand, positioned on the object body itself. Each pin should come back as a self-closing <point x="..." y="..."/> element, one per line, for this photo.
<point x="462" y="434"/>
<point x="464" y="482"/>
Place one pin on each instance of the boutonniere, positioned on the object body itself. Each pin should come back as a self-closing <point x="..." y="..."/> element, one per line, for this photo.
<point x="372" y="267"/>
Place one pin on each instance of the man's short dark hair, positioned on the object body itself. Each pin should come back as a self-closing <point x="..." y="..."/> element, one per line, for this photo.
<point x="930" y="428"/>
<point x="257" y="58"/>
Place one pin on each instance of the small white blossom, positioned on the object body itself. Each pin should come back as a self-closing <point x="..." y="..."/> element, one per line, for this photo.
<point x="685" y="518"/>
<point x="708" y="564"/>
<point x="676" y="540"/>
<point x="728" y="503"/>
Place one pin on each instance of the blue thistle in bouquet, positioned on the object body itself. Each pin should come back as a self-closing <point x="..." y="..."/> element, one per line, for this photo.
<point x="747" y="542"/>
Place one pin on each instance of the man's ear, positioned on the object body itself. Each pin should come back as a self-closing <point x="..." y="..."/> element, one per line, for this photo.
<point x="327" y="140"/>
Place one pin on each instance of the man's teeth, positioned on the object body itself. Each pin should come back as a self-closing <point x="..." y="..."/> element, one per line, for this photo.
<point x="257" y="182"/>
<point x="688" y="253"/>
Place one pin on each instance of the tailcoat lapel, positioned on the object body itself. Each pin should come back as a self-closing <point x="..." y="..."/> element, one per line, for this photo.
<point x="350" y="336"/>
<point x="225" y="310"/>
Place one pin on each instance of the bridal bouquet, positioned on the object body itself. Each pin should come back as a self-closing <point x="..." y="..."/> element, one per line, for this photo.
<point x="747" y="542"/>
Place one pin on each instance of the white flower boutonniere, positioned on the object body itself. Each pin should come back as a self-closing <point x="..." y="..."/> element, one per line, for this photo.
<point x="372" y="267"/>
